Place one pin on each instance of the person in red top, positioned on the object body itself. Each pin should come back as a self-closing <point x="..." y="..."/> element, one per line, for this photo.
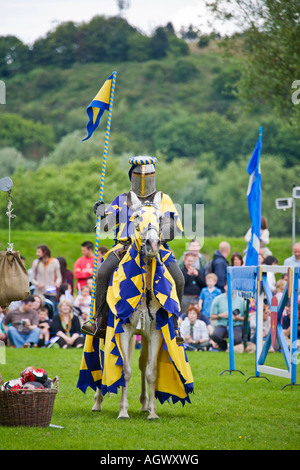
<point x="83" y="267"/>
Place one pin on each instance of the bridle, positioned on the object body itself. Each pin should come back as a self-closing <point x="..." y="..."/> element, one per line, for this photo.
<point x="137" y="216"/>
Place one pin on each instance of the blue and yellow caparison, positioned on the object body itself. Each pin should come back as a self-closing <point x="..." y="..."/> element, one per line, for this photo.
<point x="102" y="362"/>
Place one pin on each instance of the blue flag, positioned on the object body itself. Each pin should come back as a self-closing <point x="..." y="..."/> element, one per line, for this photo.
<point x="254" y="203"/>
<point x="97" y="107"/>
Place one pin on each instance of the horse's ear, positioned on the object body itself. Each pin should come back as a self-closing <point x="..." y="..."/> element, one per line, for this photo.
<point x="157" y="199"/>
<point x="135" y="202"/>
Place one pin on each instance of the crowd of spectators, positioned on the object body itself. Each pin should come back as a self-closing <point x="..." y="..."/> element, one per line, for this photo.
<point x="205" y="301"/>
<point x="59" y="302"/>
<point x="60" y="299"/>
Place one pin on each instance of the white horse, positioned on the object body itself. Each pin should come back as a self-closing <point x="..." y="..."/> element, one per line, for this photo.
<point x="143" y="320"/>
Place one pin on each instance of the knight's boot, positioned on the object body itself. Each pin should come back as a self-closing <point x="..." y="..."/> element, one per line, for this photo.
<point x="96" y="329"/>
<point x="179" y="339"/>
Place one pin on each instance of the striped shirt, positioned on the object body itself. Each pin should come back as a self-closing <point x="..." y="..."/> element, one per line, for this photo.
<point x="46" y="274"/>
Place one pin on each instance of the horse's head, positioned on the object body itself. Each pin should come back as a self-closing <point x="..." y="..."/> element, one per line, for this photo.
<point x="147" y="223"/>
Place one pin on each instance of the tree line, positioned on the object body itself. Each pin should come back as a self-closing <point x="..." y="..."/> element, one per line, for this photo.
<point x="60" y="193"/>
<point x="100" y="40"/>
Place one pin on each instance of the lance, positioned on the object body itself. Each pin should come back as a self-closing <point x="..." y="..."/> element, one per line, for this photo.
<point x="102" y="178"/>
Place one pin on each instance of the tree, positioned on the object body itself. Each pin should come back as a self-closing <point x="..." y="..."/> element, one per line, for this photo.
<point x="58" y="48"/>
<point x="139" y="47"/>
<point x="270" y="48"/>
<point x="70" y="148"/>
<point x="33" y="139"/>
<point x="14" y="56"/>
<point x="190" y="136"/>
<point x="190" y="33"/>
<point x="159" y="43"/>
<point x="104" y="39"/>
<point x="62" y="198"/>
<point x="11" y="160"/>
<point x="226" y="204"/>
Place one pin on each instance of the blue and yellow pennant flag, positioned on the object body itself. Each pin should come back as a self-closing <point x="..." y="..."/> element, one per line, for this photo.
<point x="97" y="107"/>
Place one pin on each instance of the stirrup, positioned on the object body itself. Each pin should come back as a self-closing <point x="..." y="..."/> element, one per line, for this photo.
<point x="179" y="339"/>
<point x="89" y="329"/>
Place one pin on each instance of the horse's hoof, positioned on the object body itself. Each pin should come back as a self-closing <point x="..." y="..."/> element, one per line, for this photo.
<point x="97" y="408"/>
<point x="153" y="416"/>
<point x="123" y="415"/>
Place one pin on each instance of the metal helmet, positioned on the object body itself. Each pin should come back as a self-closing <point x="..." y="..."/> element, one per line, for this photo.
<point x="142" y="175"/>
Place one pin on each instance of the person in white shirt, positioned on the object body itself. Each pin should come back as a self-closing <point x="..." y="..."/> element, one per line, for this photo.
<point x="194" y="331"/>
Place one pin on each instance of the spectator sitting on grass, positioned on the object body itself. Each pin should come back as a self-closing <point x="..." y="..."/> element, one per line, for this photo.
<point x="194" y="331"/>
<point x="44" y="325"/>
<point x="21" y="325"/>
<point x="219" y="312"/>
<point x="66" y="326"/>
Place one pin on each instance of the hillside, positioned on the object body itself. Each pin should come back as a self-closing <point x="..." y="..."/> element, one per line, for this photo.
<point x="181" y="107"/>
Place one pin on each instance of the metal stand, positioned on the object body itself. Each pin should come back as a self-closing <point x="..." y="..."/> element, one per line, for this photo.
<point x="290" y="385"/>
<point x="231" y="370"/>
<point x="257" y="377"/>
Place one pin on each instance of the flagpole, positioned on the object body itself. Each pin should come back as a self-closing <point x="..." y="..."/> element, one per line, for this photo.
<point x="102" y="177"/>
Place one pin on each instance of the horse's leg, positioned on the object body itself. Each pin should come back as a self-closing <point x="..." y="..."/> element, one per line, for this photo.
<point x="125" y="345"/>
<point x="142" y="365"/>
<point x="151" y="370"/>
<point x="98" y="398"/>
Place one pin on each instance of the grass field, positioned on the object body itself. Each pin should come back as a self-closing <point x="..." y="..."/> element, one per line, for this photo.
<point x="226" y="412"/>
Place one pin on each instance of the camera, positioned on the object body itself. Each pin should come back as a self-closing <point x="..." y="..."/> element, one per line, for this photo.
<point x="21" y="325"/>
<point x="236" y="312"/>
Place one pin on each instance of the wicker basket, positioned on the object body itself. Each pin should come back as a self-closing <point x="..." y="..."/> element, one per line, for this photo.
<point x="27" y="407"/>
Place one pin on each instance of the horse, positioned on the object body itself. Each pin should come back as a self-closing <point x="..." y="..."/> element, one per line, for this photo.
<point x="147" y="240"/>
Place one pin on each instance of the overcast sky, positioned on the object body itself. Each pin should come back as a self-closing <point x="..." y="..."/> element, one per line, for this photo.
<point x="31" y="19"/>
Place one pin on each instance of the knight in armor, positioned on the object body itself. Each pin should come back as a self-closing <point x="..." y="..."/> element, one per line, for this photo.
<point x="142" y="177"/>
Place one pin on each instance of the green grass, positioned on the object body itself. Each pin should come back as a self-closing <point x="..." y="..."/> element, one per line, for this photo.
<point x="68" y="244"/>
<point x="225" y="413"/>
